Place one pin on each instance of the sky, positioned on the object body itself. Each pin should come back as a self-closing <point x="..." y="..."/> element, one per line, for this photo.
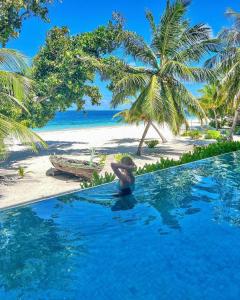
<point x="81" y="16"/>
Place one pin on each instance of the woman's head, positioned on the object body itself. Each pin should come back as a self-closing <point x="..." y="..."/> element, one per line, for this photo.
<point x="126" y="160"/>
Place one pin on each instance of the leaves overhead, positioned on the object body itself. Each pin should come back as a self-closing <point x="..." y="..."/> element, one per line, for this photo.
<point x="14" y="12"/>
<point x="14" y="88"/>
<point x="157" y="87"/>
<point x="63" y="77"/>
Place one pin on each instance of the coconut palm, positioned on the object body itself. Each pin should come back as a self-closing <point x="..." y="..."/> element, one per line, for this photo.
<point x="158" y="85"/>
<point x="211" y="102"/>
<point x="127" y="116"/>
<point x="14" y="87"/>
<point x="227" y="63"/>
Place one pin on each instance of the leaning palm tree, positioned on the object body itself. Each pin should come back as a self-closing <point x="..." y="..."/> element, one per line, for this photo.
<point x="158" y="85"/>
<point x="14" y="87"/>
<point x="227" y="63"/>
<point x="127" y="116"/>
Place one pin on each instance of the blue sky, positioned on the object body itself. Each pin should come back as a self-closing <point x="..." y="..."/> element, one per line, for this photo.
<point x="82" y="15"/>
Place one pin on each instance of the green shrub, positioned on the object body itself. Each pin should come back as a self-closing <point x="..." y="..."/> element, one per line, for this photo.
<point x="21" y="171"/>
<point x="221" y="123"/>
<point x="212" y="135"/>
<point x="194" y="134"/>
<point x="237" y="130"/>
<point x="185" y="133"/>
<point x="222" y="138"/>
<point x="98" y="179"/>
<point x="152" y="144"/>
<point x="119" y="156"/>
<point x="102" y="159"/>
<point x="197" y="153"/>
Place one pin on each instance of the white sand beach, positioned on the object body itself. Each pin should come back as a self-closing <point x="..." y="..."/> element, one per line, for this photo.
<point x="77" y="143"/>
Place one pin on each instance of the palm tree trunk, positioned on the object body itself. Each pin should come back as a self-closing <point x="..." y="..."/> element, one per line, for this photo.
<point x="215" y="119"/>
<point x="159" y="133"/>
<point x="139" y="151"/>
<point x="234" y="123"/>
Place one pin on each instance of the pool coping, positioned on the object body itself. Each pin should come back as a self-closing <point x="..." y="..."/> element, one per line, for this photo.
<point x="105" y="184"/>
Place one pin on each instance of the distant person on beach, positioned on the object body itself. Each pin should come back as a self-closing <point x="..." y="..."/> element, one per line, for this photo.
<point x="124" y="171"/>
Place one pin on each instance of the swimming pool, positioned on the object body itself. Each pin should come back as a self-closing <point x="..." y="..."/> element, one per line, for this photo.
<point x="178" y="237"/>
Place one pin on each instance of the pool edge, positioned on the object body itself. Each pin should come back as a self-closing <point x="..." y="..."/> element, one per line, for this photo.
<point x="104" y="184"/>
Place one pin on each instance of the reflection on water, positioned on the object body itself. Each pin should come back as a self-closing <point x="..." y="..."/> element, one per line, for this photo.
<point x="174" y="193"/>
<point x="90" y="245"/>
<point x="124" y="203"/>
<point x="33" y="248"/>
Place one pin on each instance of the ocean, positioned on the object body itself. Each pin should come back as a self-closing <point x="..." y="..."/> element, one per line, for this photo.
<point x="79" y="119"/>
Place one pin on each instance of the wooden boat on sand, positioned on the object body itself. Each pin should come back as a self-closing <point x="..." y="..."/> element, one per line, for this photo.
<point x="79" y="168"/>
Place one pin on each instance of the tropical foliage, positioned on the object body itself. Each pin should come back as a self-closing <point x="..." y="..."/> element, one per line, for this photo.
<point x="152" y="144"/>
<point x="212" y="134"/>
<point x="194" y="134"/>
<point x="14" y="87"/>
<point x="157" y="86"/>
<point x="227" y="63"/>
<point x="14" y="12"/>
<point x="98" y="179"/>
<point x="197" y="154"/>
<point x="130" y="117"/>
<point x="62" y="78"/>
<point x="211" y="104"/>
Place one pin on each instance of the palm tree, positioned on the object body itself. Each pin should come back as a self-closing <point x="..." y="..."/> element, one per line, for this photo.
<point x="210" y="102"/>
<point x="14" y="87"/>
<point x="227" y="63"/>
<point x="158" y="86"/>
<point x="126" y="116"/>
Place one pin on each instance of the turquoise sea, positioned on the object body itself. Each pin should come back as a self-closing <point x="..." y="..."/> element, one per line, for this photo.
<point x="79" y="119"/>
<point x="84" y="119"/>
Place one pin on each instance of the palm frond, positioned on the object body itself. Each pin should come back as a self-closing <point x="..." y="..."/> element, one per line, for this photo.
<point x="151" y="21"/>
<point x="14" y="84"/>
<point x="190" y="74"/>
<point x="129" y="85"/>
<point x="137" y="48"/>
<point x="195" y="52"/>
<point x="185" y="99"/>
<point x="10" y="128"/>
<point x="235" y="16"/>
<point x="13" y="60"/>
<point x="167" y="37"/>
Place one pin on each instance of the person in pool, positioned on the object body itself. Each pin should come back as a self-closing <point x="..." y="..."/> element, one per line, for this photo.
<point x="124" y="171"/>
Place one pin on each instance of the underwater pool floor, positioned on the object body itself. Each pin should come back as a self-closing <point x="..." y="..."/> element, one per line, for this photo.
<point x="177" y="237"/>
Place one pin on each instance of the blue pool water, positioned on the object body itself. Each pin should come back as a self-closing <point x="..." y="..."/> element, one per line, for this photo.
<point x="178" y="237"/>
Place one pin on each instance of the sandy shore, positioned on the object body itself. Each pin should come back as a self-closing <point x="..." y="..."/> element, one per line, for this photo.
<point x="77" y="143"/>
